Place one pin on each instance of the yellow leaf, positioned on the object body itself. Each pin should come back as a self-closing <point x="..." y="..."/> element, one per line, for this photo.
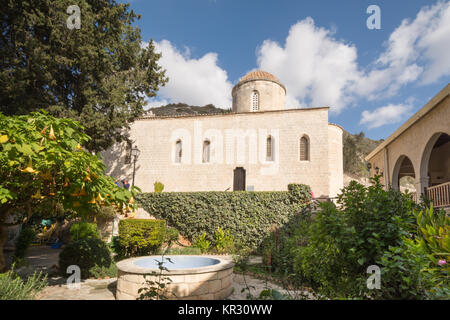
<point x="4" y="138"/>
<point x="79" y="146"/>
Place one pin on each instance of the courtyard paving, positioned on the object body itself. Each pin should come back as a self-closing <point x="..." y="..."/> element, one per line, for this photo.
<point x="105" y="289"/>
<point x="46" y="259"/>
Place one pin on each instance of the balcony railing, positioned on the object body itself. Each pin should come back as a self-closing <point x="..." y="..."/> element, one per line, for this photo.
<point x="440" y="195"/>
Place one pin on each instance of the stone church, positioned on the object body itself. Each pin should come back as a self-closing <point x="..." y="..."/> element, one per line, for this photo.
<point x="259" y="146"/>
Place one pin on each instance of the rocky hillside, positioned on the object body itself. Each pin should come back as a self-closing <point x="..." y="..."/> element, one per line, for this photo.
<point x="356" y="148"/>
<point x="175" y="109"/>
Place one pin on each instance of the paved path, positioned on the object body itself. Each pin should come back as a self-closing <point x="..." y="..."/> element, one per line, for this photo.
<point x="105" y="289"/>
<point x="45" y="258"/>
<point x="89" y="290"/>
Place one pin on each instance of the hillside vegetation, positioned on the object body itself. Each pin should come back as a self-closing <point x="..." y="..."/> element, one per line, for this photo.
<point x="176" y="109"/>
<point x="356" y="146"/>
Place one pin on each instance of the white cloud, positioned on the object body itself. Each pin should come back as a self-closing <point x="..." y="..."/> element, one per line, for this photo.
<point x="318" y="69"/>
<point x="315" y="68"/>
<point x="154" y="103"/>
<point x="417" y="51"/>
<point x="385" y="115"/>
<point x="192" y="81"/>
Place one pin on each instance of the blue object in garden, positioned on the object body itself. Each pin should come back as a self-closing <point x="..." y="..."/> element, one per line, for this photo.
<point x="46" y="222"/>
<point x="56" y="245"/>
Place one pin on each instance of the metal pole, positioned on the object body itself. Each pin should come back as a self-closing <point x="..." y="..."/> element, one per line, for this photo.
<point x="134" y="170"/>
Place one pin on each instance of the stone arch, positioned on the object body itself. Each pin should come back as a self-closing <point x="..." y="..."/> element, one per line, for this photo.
<point x="304" y="148"/>
<point x="403" y="167"/>
<point x="269" y="148"/>
<point x="436" y="140"/>
<point x="206" y="157"/>
<point x="178" y="151"/>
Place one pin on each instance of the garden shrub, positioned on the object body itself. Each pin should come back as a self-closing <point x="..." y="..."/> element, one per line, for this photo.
<point x="140" y="237"/>
<point x="342" y="242"/>
<point x="85" y="253"/>
<point x="101" y="272"/>
<point x="224" y="241"/>
<point x="12" y="287"/>
<point x="247" y="215"/>
<point x="26" y="237"/>
<point x="202" y="243"/>
<point x="184" y="251"/>
<point x="299" y="194"/>
<point x="83" y="230"/>
<point x="278" y="248"/>
<point x="106" y="212"/>
<point x="418" y="269"/>
<point x="159" y="187"/>
<point x="172" y="235"/>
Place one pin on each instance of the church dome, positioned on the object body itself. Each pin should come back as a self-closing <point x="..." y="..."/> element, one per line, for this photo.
<point x="258" y="91"/>
<point x="259" y="75"/>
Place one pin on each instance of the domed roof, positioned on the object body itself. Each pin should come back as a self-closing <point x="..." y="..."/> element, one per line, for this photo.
<point x="259" y="75"/>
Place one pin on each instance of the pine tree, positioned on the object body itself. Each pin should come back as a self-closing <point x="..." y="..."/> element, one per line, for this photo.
<point x="99" y="74"/>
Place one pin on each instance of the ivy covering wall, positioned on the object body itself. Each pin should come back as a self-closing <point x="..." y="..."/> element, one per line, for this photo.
<point x="249" y="216"/>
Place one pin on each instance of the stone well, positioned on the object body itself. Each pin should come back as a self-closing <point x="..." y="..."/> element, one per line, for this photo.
<point x="194" y="278"/>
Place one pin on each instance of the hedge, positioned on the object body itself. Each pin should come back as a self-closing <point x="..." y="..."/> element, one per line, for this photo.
<point x="86" y="254"/>
<point x="83" y="230"/>
<point x="140" y="237"/>
<point x="248" y="216"/>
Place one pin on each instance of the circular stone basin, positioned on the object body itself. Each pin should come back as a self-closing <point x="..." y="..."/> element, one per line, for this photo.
<point x="192" y="277"/>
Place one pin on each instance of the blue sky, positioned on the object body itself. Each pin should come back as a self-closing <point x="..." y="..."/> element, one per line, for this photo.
<point x="322" y="51"/>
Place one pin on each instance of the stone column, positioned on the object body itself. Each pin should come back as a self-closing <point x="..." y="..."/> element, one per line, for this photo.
<point x="421" y="183"/>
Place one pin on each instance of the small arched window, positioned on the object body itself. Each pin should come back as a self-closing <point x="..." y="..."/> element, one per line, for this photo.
<point x="255" y="100"/>
<point x="206" y="151"/>
<point x="304" y="148"/>
<point x="269" y="148"/>
<point x="178" y="151"/>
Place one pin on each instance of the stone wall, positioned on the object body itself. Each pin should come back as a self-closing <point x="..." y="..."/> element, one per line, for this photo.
<point x="271" y="96"/>
<point x="228" y="133"/>
<point x="202" y="286"/>
<point x="416" y="142"/>
<point x="336" y="160"/>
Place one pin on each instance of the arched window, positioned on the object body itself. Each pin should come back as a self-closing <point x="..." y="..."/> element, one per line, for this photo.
<point x="269" y="148"/>
<point x="304" y="148"/>
<point x="255" y="101"/>
<point x="178" y="151"/>
<point x="206" y="151"/>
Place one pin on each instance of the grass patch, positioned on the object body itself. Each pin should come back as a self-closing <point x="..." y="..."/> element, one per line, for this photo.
<point x="13" y="287"/>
